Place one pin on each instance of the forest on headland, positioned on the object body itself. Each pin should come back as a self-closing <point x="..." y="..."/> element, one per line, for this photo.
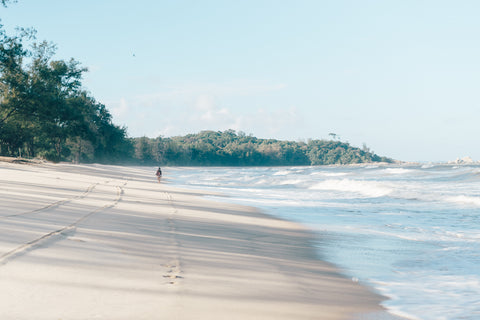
<point x="46" y="113"/>
<point x="229" y="148"/>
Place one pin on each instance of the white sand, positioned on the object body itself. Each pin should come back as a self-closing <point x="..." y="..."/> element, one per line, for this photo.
<point x="107" y="242"/>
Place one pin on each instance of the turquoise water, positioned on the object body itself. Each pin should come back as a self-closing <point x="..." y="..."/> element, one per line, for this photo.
<point x="411" y="232"/>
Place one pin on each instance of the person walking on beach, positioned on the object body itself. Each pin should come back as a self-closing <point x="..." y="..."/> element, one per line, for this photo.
<point x="159" y="174"/>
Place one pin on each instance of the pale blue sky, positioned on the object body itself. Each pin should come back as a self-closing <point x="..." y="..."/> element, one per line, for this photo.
<point x="401" y="76"/>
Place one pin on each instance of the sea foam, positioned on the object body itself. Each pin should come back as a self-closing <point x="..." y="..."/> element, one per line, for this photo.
<point x="411" y="232"/>
<point x="365" y="188"/>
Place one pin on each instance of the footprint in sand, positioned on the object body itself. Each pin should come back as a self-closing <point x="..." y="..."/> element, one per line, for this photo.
<point x="173" y="272"/>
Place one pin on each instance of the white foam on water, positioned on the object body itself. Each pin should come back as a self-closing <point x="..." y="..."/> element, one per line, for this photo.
<point x="329" y="174"/>
<point x="452" y="297"/>
<point x="412" y="232"/>
<point x="466" y="200"/>
<point x="290" y="182"/>
<point x="427" y="166"/>
<point x="262" y="182"/>
<point x="393" y="213"/>
<point x="282" y="173"/>
<point x="366" y="188"/>
<point x="397" y="171"/>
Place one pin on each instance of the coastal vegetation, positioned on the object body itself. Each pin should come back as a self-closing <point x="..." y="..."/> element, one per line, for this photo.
<point x="228" y="148"/>
<point x="45" y="113"/>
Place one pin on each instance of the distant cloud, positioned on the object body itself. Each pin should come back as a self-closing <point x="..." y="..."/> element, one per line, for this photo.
<point x="208" y="115"/>
<point x="166" y="131"/>
<point x="207" y="110"/>
<point x="191" y="108"/>
<point x="185" y="93"/>
<point x="270" y="123"/>
<point x="119" y="109"/>
<point x="204" y="102"/>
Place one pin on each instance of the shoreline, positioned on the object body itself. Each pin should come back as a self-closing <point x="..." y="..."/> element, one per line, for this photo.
<point x="88" y="238"/>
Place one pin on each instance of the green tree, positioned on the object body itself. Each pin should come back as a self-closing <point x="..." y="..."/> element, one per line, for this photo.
<point x="228" y="148"/>
<point x="44" y="110"/>
<point x="143" y="150"/>
<point x="53" y="85"/>
<point x="14" y="98"/>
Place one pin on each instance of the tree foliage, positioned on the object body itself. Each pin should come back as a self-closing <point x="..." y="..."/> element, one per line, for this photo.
<point x="227" y="148"/>
<point x="44" y="112"/>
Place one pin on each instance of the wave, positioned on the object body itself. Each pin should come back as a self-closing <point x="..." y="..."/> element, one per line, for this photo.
<point x="465" y="200"/>
<point x="329" y="174"/>
<point x="427" y="166"/>
<point x="290" y="182"/>
<point x="397" y="170"/>
<point x="436" y="289"/>
<point x="411" y="225"/>
<point x="365" y="188"/>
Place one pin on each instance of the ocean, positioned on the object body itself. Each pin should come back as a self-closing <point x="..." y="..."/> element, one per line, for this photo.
<point x="411" y="232"/>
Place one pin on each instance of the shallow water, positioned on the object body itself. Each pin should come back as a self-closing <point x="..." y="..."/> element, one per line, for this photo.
<point x="412" y="232"/>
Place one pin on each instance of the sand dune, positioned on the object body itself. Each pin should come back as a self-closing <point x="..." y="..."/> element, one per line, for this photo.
<point x="109" y="242"/>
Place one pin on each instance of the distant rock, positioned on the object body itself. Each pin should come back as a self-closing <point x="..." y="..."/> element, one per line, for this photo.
<point x="464" y="160"/>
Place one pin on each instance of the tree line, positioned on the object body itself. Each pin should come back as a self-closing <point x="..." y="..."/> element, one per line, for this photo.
<point x="229" y="148"/>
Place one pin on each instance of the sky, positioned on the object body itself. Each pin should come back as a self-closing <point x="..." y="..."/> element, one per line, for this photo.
<point x="401" y="76"/>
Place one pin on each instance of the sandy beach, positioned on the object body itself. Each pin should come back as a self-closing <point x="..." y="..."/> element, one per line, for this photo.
<point x="110" y="242"/>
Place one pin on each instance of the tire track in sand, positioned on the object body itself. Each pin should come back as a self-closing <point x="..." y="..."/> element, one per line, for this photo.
<point x="58" y="234"/>
<point x="55" y="204"/>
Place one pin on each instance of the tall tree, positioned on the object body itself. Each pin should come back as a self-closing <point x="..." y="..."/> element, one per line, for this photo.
<point x="13" y="77"/>
<point x="44" y="110"/>
<point x="53" y="83"/>
<point x="14" y="100"/>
